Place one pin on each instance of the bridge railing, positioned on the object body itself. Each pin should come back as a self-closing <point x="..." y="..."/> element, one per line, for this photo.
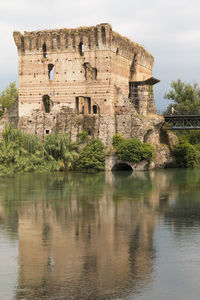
<point x="182" y="122"/>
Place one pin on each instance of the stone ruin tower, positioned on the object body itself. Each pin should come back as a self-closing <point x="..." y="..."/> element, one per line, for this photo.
<point x="87" y="78"/>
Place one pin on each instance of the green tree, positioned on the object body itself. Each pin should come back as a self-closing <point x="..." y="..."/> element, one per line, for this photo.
<point x="8" y="96"/>
<point x="185" y="97"/>
<point x="117" y="139"/>
<point x="186" y="155"/>
<point x="132" y="150"/>
<point x="59" y="146"/>
<point x="92" y="157"/>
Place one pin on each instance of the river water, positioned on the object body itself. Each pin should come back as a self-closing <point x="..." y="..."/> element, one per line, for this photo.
<point x="100" y="236"/>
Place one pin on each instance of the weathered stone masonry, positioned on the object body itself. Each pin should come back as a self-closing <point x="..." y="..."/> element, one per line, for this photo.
<point x="85" y="78"/>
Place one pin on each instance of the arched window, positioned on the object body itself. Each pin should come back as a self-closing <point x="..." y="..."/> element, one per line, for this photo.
<point x="44" y="50"/>
<point x="46" y="102"/>
<point x="94" y="73"/>
<point x="81" y="49"/>
<point x="51" y="71"/>
<point x="94" y="109"/>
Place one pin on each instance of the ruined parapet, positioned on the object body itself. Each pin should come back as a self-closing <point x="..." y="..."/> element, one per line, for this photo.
<point x="45" y="41"/>
<point x="138" y="55"/>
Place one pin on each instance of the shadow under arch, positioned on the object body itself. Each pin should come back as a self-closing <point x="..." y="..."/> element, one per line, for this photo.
<point x="121" y="167"/>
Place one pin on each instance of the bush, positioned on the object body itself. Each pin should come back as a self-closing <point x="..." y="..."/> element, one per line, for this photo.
<point x="59" y="147"/>
<point x="190" y="136"/>
<point x="133" y="150"/>
<point x="83" y="136"/>
<point x="117" y="140"/>
<point x="21" y="152"/>
<point x="92" y="157"/>
<point x="186" y="155"/>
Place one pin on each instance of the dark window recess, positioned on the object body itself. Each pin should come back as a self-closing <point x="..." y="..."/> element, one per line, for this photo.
<point x="47" y="131"/>
<point x="90" y="73"/>
<point x="81" y="49"/>
<point x="51" y="71"/>
<point x="94" y="109"/>
<point x="77" y="104"/>
<point x="47" y="103"/>
<point x="44" y="50"/>
<point x="103" y="35"/>
<point x="83" y="105"/>
<point x="89" y="105"/>
<point x="94" y="73"/>
<point x="22" y="43"/>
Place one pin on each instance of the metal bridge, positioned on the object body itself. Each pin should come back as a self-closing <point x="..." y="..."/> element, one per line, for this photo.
<point x="182" y="122"/>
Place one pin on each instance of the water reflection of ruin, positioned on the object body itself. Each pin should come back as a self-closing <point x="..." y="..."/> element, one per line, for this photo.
<point x="87" y="237"/>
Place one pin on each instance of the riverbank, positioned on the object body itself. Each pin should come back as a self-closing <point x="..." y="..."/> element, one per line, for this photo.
<point x="21" y="152"/>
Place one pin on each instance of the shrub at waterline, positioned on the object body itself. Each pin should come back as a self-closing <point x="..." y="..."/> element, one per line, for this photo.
<point x="187" y="156"/>
<point x="21" y="152"/>
<point x="117" y="140"/>
<point x="132" y="150"/>
<point x="92" y="157"/>
<point x="59" y="147"/>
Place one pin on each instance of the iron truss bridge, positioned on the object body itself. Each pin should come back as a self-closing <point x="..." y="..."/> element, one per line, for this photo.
<point x="182" y="122"/>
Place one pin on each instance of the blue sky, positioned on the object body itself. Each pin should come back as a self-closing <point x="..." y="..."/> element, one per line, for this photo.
<point x="169" y="29"/>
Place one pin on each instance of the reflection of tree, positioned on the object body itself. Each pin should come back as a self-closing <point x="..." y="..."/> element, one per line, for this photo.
<point x="184" y="211"/>
<point x="133" y="187"/>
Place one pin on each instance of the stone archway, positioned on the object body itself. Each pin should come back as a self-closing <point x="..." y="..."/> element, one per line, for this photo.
<point x="121" y="166"/>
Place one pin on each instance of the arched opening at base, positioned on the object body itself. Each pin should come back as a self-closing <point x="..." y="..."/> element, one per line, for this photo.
<point x="121" y="167"/>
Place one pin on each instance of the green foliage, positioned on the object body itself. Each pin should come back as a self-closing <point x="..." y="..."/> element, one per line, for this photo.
<point x="8" y="96"/>
<point x="190" y="136"/>
<point x="83" y="136"/>
<point x="92" y="157"/>
<point x="185" y="96"/>
<point x="21" y="152"/>
<point x="117" y="139"/>
<point x="132" y="150"/>
<point x="59" y="147"/>
<point x="28" y="142"/>
<point x="186" y="154"/>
